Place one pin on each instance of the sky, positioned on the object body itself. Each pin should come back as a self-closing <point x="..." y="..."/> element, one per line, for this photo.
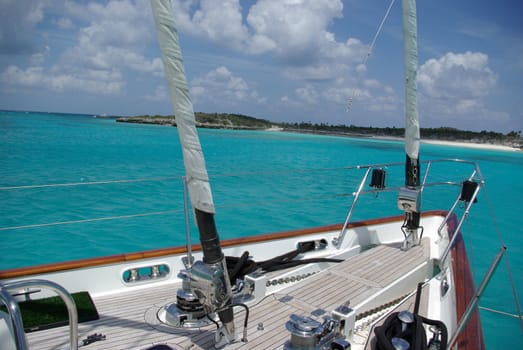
<point x="280" y="60"/>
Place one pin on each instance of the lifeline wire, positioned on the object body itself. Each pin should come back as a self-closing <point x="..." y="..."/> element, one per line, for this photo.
<point x="71" y="184"/>
<point x="89" y="220"/>
<point x="498" y="312"/>
<point x="507" y="264"/>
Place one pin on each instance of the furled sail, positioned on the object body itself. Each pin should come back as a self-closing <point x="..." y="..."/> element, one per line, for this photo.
<point x="209" y="280"/>
<point x="410" y="197"/>
<point x="197" y="178"/>
<point x="412" y="134"/>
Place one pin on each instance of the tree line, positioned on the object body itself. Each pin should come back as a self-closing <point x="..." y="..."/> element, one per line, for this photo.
<point x="240" y="121"/>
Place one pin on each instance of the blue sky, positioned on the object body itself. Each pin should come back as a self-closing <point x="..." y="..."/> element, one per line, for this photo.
<point x="282" y="60"/>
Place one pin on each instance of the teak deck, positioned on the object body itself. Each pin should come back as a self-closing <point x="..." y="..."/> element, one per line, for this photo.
<point x="129" y="320"/>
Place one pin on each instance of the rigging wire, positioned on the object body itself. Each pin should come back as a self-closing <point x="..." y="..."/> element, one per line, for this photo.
<point x="173" y="211"/>
<point x="507" y="263"/>
<point x="167" y="178"/>
<point x="90" y="220"/>
<point x="71" y="184"/>
<point x="369" y="52"/>
<point x="504" y="313"/>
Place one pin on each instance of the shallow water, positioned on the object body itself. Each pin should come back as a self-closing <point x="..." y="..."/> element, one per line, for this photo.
<point x="261" y="181"/>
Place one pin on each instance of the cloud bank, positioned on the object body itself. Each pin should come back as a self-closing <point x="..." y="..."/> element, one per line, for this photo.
<point x="285" y="58"/>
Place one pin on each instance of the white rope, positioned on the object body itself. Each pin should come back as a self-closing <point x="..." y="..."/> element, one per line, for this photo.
<point x="369" y="52"/>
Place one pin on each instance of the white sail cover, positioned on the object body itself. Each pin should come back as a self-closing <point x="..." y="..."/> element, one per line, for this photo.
<point x="197" y="178"/>
<point x="410" y="37"/>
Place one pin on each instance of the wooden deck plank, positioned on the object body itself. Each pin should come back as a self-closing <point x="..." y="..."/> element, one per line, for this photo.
<point x="123" y="317"/>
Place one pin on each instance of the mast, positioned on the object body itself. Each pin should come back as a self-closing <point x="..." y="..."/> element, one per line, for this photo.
<point x="213" y="274"/>
<point x="411" y="194"/>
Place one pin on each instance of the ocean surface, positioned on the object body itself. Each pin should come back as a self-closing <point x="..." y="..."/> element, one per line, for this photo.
<point x="74" y="186"/>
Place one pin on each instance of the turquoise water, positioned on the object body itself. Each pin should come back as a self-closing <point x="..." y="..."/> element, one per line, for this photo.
<point x="261" y="181"/>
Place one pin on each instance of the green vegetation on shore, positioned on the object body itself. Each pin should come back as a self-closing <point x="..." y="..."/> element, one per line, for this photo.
<point x="512" y="138"/>
<point x="243" y="122"/>
<point x="206" y="120"/>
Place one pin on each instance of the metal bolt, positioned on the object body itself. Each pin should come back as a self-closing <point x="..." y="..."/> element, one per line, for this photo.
<point x="134" y="275"/>
<point x="155" y="271"/>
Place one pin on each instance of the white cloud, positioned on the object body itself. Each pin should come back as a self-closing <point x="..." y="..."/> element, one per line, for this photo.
<point x="372" y="83"/>
<point x="108" y="44"/>
<point x="361" y="68"/>
<point x="455" y="88"/>
<point x="462" y="75"/>
<point x="96" y="82"/>
<point x="38" y="58"/>
<point x="160" y="94"/>
<point x="114" y="36"/>
<point x="318" y="72"/>
<point x="347" y="92"/>
<point x="297" y="28"/>
<point x="370" y="95"/>
<point x="387" y="103"/>
<point x="18" y="20"/>
<point x="342" y="94"/>
<point x="295" y="31"/>
<point x="16" y="76"/>
<point x="307" y="94"/>
<point x="219" y="21"/>
<point x="223" y="87"/>
<point x="65" y="23"/>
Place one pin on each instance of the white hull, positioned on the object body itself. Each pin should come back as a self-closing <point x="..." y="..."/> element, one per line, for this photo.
<point x="128" y="310"/>
<point x="153" y="300"/>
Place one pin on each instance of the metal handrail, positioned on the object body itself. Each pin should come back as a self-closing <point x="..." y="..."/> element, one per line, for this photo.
<point x="341" y="236"/>
<point x="16" y="317"/>
<point x="476" y="173"/>
<point x="454" y="234"/>
<point x="471" y="307"/>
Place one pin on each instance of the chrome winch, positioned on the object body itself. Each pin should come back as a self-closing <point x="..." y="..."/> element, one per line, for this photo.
<point x="309" y="334"/>
<point x="201" y="294"/>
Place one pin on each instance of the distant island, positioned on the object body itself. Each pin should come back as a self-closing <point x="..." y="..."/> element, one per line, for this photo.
<point x="242" y="122"/>
<point x="206" y="120"/>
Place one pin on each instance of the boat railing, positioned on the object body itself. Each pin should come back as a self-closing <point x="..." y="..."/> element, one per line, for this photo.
<point x="6" y="296"/>
<point x="15" y="316"/>
<point x="468" y="196"/>
<point x="474" y="176"/>
<point x="472" y="305"/>
<point x="332" y="184"/>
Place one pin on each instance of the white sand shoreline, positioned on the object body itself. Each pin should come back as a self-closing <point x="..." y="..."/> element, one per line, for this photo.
<point x="466" y="144"/>
<point x="488" y="146"/>
<point x="472" y="145"/>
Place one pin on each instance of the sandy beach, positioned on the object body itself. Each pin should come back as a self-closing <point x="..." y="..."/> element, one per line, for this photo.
<point x="488" y="146"/>
<point x="275" y="128"/>
<point x="472" y="145"/>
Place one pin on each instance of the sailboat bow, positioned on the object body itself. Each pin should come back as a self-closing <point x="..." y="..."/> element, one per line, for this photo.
<point x="388" y="282"/>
